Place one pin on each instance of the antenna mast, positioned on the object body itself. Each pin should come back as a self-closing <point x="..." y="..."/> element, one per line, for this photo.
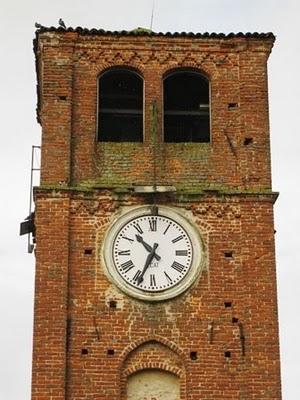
<point x="152" y="13"/>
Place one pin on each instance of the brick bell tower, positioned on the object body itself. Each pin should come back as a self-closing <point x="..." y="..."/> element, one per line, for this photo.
<point x="155" y="262"/>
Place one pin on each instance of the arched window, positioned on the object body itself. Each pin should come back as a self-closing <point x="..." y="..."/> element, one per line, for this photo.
<point x="120" y="106"/>
<point x="186" y="107"/>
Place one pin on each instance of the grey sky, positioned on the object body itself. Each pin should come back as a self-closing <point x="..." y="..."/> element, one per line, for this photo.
<point x="19" y="131"/>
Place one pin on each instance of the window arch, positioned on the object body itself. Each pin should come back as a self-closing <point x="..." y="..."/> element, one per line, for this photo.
<point x="186" y="107"/>
<point x="120" y="106"/>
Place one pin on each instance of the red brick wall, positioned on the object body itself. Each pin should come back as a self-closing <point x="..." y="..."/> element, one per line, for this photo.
<point x="173" y="329"/>
<point x="70" y="65"/>
<point x="75" y="328"/>
<point x="51" y="297"/>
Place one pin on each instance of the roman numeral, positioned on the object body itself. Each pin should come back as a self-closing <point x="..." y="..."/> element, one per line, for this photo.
<point x="127" y="238"/>
<point x="177" y="239"/>
<point x="166" y="230"/>
<point x="124" y="253"/>
<point x="181" y="252"/>
<point x="153" y="224"/>
<point x="127" y="266"/>
<point x="138" y="228"/>
<point x="177" y="266"/>
<point x="152" y="280"/>
<point x="137" y="275"/>
<point x="168" y="278"/>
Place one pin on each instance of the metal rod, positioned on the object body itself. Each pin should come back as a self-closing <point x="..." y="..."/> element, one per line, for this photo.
<point x="152" y="14"/>
<point x="32" y="169"/>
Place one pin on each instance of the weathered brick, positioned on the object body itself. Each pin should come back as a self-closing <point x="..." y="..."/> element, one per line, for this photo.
<point x="83" y="347"/>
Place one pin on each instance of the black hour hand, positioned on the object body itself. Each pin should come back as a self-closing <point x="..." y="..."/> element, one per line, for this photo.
<point x="147" y="246"/>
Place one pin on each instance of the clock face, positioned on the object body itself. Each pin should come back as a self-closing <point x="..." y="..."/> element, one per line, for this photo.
<point x="170" y="261"/>
<point x="152" y="257"/>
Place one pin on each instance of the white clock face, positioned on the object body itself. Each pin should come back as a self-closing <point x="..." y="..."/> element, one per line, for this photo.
<point x="152" y="257"/>
<point x="170" y="260"/>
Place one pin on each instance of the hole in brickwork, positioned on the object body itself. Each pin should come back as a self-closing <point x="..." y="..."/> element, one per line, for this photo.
<point x="193" y="355"/>
<point x="62" y="97"/>
<point x="110" y="352"/>
<point x="227" y="354"/>
<point x="113" y="304"/>
<point x="88" y="251"/>
<point x="232" y="105"/>
<point x="248" y="140"/>
<point x="227" y="304"/>
<point x="84" y="352"/>
<point x="228" y="254"/>
<point x="235" y="320"/>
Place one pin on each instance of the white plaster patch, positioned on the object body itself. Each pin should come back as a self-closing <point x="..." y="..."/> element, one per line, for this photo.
<point x="153" y="385"/>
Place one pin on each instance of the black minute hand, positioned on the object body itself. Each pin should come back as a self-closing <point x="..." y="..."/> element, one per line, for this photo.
<point x="147" y="263"/>
<point x="147" y="246"/>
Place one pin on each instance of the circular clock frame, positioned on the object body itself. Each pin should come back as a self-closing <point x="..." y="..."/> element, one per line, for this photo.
<point x="120" y="270"/>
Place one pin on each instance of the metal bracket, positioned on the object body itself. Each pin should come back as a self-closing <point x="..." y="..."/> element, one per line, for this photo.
<point x="27" y="227"/>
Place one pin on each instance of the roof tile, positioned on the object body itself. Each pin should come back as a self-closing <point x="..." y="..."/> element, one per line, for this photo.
<point x="147" y="32"/>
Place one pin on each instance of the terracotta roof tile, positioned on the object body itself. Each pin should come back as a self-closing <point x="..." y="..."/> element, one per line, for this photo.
<point x="148" y="32"/>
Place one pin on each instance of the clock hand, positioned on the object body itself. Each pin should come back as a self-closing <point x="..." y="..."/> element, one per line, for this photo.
<point x="147" y="263"/>
<point x="147" y="246"/>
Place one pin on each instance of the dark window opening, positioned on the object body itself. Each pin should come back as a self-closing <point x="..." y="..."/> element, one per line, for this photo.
<point x="186" y="108"/>
<point x="120" y="117"/>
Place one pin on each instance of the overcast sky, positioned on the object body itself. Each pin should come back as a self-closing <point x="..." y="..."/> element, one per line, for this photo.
<point x="19" y="131"/>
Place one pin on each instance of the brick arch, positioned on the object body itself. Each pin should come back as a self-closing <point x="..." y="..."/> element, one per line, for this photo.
<point x="152" y="354"/>
<point x="153" y="338"/>
<point x="134" y="67"/>
<point x="153" y="365"/>
<point x="189" y="67"/>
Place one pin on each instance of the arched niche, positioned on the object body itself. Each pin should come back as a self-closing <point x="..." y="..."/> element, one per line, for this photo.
<point x="148" y="364"/>
<point x="153" y="384"/>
